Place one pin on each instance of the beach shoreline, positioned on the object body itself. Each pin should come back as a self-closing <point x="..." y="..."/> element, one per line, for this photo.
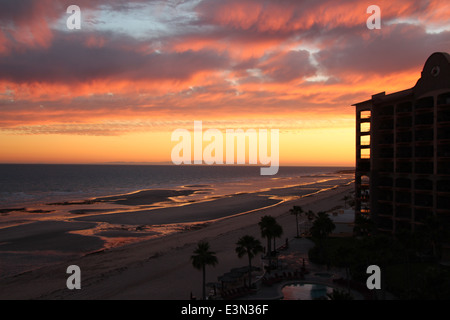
<point x="159" y="268"/>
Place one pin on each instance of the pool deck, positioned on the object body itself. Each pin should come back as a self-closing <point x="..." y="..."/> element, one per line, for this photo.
<point x="274" y="292"/>
<point x="291" y="259"/>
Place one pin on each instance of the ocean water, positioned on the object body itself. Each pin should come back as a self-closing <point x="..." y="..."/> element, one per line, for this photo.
<point x="25" y="185"/>
<point x="39" y="232"/>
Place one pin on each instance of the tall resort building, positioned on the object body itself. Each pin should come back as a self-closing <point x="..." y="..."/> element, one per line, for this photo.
<point x="403" y="152"/>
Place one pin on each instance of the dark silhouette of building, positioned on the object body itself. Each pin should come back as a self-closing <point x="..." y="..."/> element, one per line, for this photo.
<point x="403" y="152"/>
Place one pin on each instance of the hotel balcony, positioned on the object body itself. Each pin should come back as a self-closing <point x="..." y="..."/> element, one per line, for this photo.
<point x="424" y="135"/>
<point x="443" y="115"/>
<point x="404" y="212"/>
<point x="424" y="151"/>
<point x="404" y="152"/>
<point x="404" y="166"/>
<point x="443" y="134"/>
<point x="363" y="165"/>
<point x="426" y="103"/>
<point x="385" y="223"/>
<point x="386" y="111"/>
<point x="404" y="122"/>
<point x="386" y="182"/>
<point x="385" y="195"/>
<point x="425" y="168"/>
<point x="443" y="110"/>
<point x="424" y="119"/>
<point x="423" y="200"/>
<point x="403" y="197"/>
<point x="443" y="186"/>
<point x="403" y="224"/>
<point x="387" y="125"/>
<point x="443" y="203"/>
<point x="386" y="139"/>
<point x="403" y="183"/>
<point x="422" y="214"/>
<point x="386" y="166"/>
<point x="444" y="99"/>
<point x="404" y="137"/>
<point x="404" y="108"/>
<point x="386" y="153"/>
<point x="443" y="167"/>
<point x="422" y="185"/>
<point x="443" y="150"/>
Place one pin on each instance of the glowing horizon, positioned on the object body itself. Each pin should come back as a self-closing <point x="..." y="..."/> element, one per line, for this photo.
<point x="116" y="89"/>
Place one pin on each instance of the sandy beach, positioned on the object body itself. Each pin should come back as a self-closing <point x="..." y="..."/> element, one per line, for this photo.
<point x="158" y="268"/>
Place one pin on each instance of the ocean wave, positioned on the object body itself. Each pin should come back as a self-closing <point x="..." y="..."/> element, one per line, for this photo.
<point x="37" y="184"/>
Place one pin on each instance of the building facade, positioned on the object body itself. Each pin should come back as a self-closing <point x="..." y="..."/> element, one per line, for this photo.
<point x="403" y="152"/>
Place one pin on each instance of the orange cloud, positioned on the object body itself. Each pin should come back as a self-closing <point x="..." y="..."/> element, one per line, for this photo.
<point x="293" y="65"/>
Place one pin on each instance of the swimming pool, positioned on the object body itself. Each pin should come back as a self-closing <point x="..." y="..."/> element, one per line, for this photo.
<point x="305" y="291"/>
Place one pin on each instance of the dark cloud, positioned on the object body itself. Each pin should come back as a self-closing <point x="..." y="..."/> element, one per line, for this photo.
<point x="69" y="59"/>
<point x="13" y="10"/>
<point x="394" y="48"/>
<point x="262" y="46"/>
<point x="289" y="66"/>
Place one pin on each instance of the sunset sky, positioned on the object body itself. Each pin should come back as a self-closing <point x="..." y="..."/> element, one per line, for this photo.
<point x="115" y="90"/>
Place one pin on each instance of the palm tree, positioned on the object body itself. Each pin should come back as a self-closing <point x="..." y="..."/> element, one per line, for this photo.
<point x="322" y="226"/>
<point x="277" y="231"/>
<point x="296" y="210"/>
<point x="320" y="231"/>
<point x="248" y="245"/>
<point x="270" y="229"/>
<point x="201" y="258"/>
<point x="310" y="215"/>
<point x="266" y="225"/>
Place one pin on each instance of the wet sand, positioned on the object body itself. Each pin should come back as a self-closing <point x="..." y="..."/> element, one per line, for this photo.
<point x="158" y="268"/>
<point x="189" y="213"/>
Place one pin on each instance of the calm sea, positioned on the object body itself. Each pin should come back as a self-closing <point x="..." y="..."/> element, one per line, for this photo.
<point x="22" y="185"/>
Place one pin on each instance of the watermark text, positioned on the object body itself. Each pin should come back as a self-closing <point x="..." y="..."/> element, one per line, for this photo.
<point x="234" y="145"/>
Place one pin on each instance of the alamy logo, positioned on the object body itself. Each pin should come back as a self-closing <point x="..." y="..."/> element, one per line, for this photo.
<point x="74" y="21"/>
<point x="374" y="280"/>
<point x="73" y="281"/>
<point x="213" y="153"/>
<point x="374" y="21"/>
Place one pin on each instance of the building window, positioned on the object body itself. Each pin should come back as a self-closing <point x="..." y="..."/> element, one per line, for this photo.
<point x="424" y="103"/>
<point x="403" y="183"/>
<point x="365" y="127"/>
<point x="365" y="153"/>
<point x="365" y="140"/>
<point x="424" y="184"/>
<point x="386" y="110"/>
<point x="365" y="114"/>
<point x="404" y="107"/>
